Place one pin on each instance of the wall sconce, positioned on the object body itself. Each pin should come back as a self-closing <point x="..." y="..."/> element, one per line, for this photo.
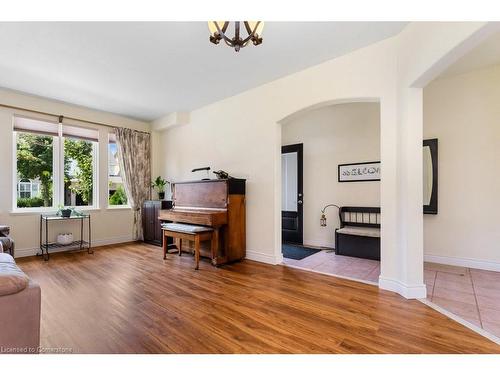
<point x="322" y="221"/>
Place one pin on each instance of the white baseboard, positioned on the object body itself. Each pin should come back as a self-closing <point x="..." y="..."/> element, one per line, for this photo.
<point x="407" y="291"/>
<point x="20" y="253"/>
<point x="463" y="262"/>
<point x="262" y="257"/>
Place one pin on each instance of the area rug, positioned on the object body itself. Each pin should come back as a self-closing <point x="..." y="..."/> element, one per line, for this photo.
<point x="297" y="252"/>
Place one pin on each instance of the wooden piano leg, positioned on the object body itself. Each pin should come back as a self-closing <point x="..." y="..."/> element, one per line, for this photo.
<point x="215" y="246"/>
<point x="197" y="251"/>
<point x="178" y="244"/>
<point x="164" y="243"/>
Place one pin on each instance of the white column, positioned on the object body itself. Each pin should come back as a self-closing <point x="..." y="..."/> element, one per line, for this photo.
<point x="388" y="192"/>
<point x="403" y="272"/>
<point x="411" y="191"/>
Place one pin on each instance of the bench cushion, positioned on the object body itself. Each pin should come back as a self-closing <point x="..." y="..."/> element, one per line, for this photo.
<point x="185" y="228"/>
<point x="360" y="231"/>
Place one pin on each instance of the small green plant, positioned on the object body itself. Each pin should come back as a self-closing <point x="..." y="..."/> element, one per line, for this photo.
<point x="65" y="211"/>
<point x="159" y="184"/>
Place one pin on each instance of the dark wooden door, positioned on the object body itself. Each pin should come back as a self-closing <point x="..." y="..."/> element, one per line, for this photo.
<point x="293" y="196"/>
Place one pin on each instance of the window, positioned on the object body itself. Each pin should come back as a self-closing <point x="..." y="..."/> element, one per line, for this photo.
<point x="35" y="148"/>
<point x="56" y="165"/>
<point x="116" y="191"/>
<point x="80" y="151"/>
<point x="28" y="189"/>
<point x="24" y="189"/>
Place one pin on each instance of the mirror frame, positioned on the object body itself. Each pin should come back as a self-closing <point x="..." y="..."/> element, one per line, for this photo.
<point x="432" y="207"/>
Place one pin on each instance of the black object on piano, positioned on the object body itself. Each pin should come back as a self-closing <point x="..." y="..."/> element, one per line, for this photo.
<point x="202" y="169"/>
<point x="222" y="175"/>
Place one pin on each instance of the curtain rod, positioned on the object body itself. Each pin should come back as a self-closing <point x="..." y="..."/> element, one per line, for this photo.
<point x="59" y="116"/>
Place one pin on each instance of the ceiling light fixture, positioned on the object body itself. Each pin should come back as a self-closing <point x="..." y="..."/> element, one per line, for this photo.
<point x="218" y="31"/>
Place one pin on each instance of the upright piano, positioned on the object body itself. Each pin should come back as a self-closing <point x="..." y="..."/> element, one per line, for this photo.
<point x="219" y="204"/>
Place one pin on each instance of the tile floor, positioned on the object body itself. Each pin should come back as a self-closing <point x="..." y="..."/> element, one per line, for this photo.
<point x="472" y="294"/>
<point x="340" y="265"/>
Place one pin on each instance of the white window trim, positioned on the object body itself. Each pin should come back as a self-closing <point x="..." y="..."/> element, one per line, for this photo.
<point x="58" y="182"/>
<point x="47" y="210"/>
<point x="119" y="207"/>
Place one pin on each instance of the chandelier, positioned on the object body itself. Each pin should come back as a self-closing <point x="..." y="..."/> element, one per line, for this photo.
<point x="218" y="31"/>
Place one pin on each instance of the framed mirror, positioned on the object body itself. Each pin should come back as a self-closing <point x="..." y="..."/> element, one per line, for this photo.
<point x="430" y="171"/>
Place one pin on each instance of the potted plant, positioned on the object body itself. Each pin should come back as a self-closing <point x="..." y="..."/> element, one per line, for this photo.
<point x="64" y="212"/>
<point x="159" y="184"/>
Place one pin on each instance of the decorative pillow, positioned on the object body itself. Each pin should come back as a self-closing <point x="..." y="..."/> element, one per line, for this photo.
<point x="12" y="279"/>
<point x="6" y="258"/>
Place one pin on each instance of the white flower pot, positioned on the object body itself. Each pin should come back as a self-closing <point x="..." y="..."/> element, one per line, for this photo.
<point x="65" y="238"/>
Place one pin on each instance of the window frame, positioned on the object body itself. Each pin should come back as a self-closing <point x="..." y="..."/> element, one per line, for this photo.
<point x="57" y="175"/>
<point x="108" y="179"/>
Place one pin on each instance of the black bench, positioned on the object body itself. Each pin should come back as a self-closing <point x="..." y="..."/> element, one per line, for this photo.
<point x="359" y="232"/>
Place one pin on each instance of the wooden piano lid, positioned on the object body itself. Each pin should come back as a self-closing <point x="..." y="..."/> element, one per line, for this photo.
<point x="211" y="194"/>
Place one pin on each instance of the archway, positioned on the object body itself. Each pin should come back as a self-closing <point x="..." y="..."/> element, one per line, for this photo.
<point x="334" y="121"/>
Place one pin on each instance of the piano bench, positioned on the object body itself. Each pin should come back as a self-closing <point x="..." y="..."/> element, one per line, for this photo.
<point x="190" y="233"/>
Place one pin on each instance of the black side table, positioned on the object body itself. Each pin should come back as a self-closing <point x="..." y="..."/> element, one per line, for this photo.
<point x="80" y="244"/>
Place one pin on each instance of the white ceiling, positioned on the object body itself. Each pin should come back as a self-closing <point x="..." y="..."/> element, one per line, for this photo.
<point x="146" y="70"/>
<point x="484" y="55"/>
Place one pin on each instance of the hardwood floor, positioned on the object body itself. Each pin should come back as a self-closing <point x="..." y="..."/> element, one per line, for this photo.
<point x="127" y="299"/>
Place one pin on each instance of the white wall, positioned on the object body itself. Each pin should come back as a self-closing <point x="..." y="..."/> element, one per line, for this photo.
<point x="108" y="225"/>
<point x="463" y="113"/>
<point x="333" y="135"/>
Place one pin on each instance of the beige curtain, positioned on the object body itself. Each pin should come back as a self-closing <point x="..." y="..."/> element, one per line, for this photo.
<point x="134" y="157"/>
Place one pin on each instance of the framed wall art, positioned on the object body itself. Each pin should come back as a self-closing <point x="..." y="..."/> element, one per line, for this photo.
<point x="357" y="172"/>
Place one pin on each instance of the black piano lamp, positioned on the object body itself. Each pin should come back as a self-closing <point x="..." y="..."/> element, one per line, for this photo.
<point x="203" y="169"/>
<point x="322" y="221"/>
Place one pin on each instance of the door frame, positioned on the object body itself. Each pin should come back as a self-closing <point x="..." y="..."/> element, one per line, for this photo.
<point x="299" y="149"/>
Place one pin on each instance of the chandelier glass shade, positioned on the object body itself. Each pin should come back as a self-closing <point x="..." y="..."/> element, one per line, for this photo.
<point x="220" y="29"/>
